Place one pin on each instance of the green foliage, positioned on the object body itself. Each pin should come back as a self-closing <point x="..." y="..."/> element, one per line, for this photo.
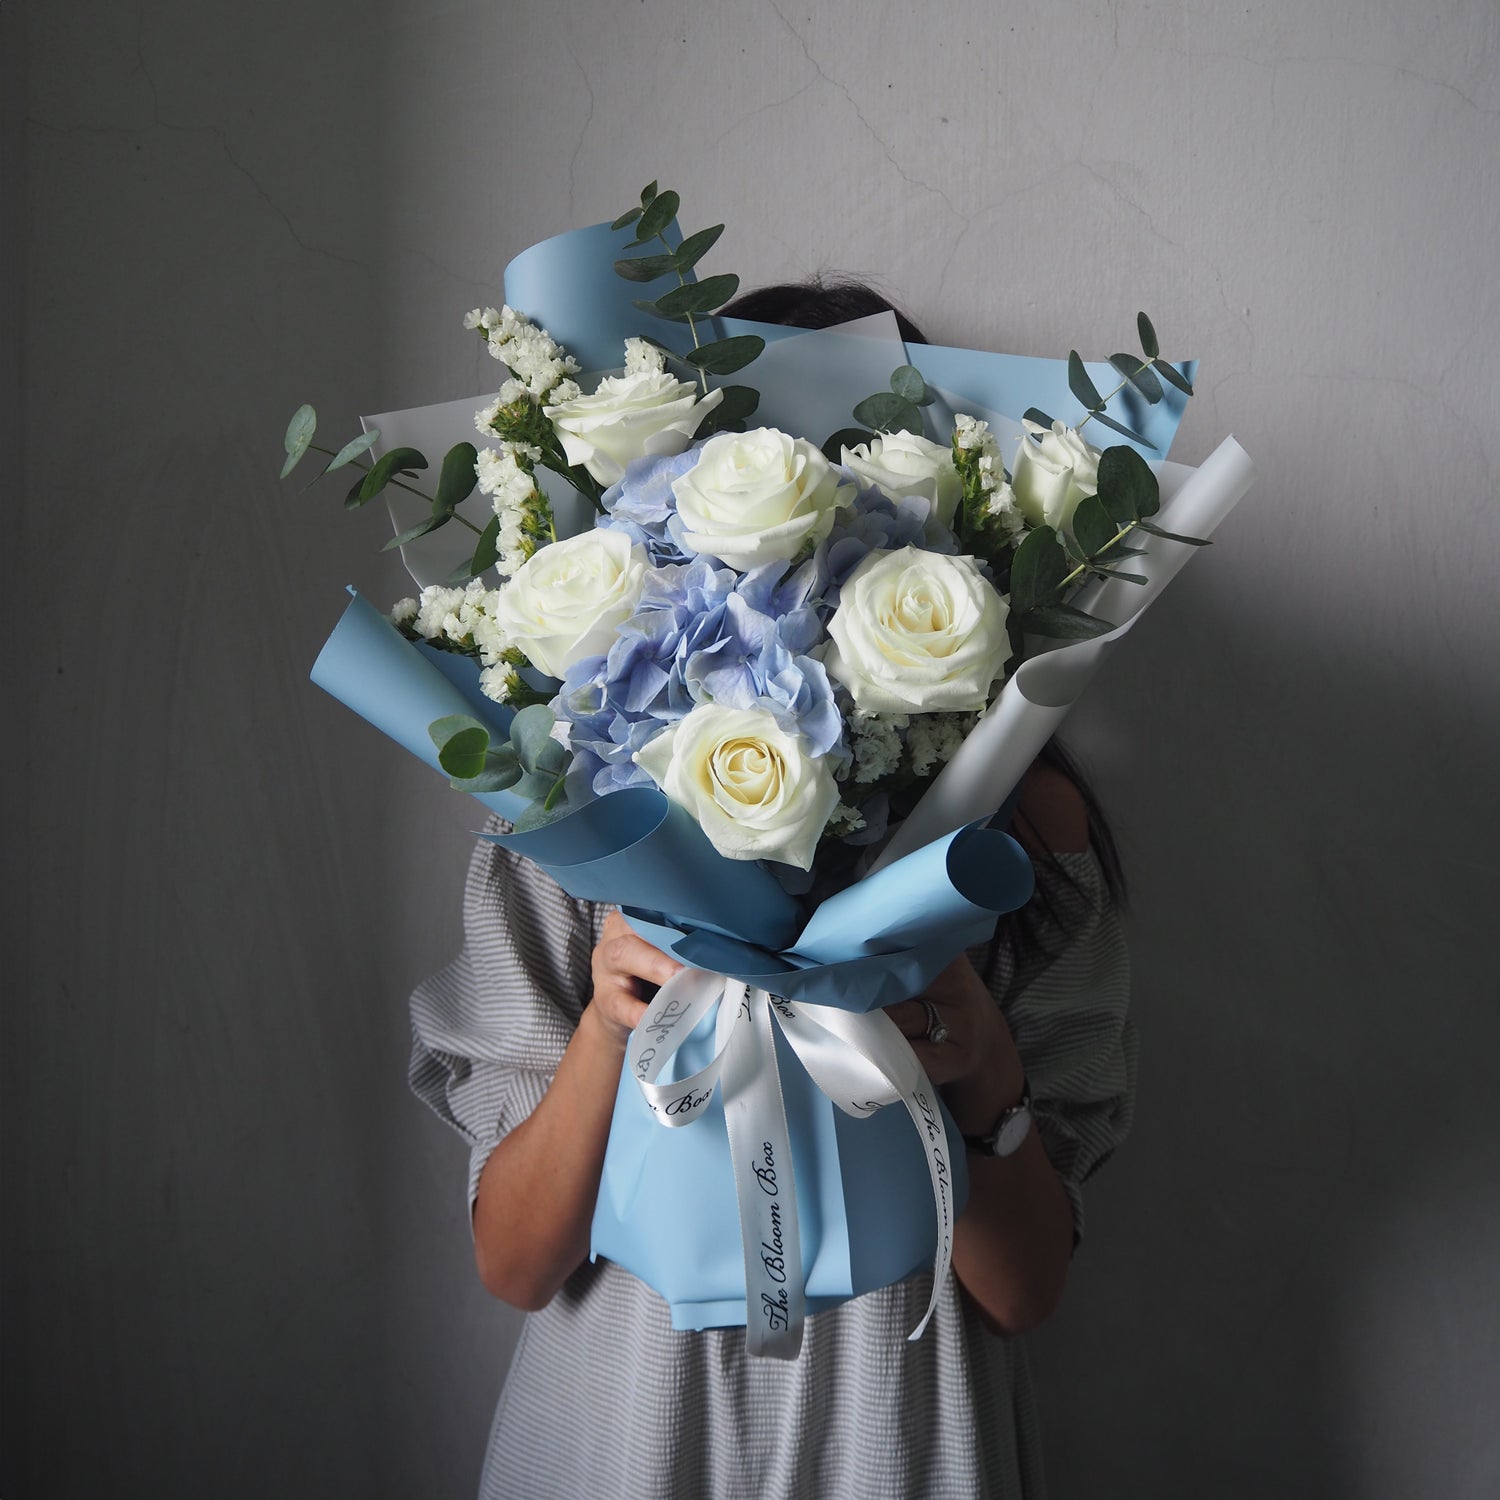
<point x="352" y="449"/>
<point x="1037" y="415"/>
<point x="888" y="412"/>
<point x="382" y="472"/>
<point x="1061" y="622"/>
<point x="739" y="402"/>
<point x="1147" y="336"/>
<point x="845" y="437"/>
<point x="1083" y="389"/>
<point x="725" y="356"/>
<point x="1138" y="375"/>
<point x="655" y="217"/>
<point x="895" y="410"/>
<point x="1127" y="487"/>
<point x="530" y="760"/>
<point x="299" y="433"/>
<point x="456" y="479"/>
<point x="1037" y="571"/>
<point x="1172" y="376"/>
<point x="697" y="296"/>
<point x="486" y="549"/>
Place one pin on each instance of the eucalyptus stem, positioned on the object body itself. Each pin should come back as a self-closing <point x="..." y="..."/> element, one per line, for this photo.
<point x="1084" y="567"/>
<point x="1144" y="365"/>
<point x="692" y="326"/>
<point x="410" y="489"/>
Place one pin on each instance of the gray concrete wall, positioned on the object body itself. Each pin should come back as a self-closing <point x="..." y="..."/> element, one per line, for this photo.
<point x="234" y="1258"/>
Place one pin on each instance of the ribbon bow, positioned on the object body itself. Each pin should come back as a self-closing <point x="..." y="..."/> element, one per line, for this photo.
<point x="861" y="1062"/>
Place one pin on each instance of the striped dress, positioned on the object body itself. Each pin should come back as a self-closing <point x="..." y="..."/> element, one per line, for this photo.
<point x="605" y="1399"/>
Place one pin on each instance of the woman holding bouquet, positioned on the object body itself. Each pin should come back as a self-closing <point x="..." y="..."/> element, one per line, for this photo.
<point x="519" y="1045"/>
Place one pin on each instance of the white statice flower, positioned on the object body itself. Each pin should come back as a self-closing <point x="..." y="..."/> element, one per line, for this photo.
<point x="643" y="358"/>
<point x="970" y="432"/>
<point x="750" y="784"/>
<point x="403" y="612"/>
<point x="845" y="820"/>
<point x="933" y="739"/>
<point x="636" y="415"/>
<point x="565" y="390"/>
<point x="536" y="361"/>
<point x="499" y="682"/>
<point x="435" y="605"/>
<point x="877" y="744"/>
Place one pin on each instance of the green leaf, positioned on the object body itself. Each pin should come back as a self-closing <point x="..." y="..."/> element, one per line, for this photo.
<point x="1121" y="428"/>
<point x="386" y="468"/>
<point x="1037" y="415"/>
<point x="845" y="437"/>
<point x="1149" y="346"/>
<point x="432" y="523"/>
<point x="531" y="734"/>
<point x="538" y="815"/>
<point x="907" y="383"/>
<point x="698" y="296"/>
<point x="1127" y="486"/>
<point x="1141" y="378"/>
<point x="725" y="356"/>
<point x="299" y="433"/>
<point x="648" y="193"/>
<point x="695" y="247"/>
<point x="656" y="312"/>
<point x="739" y="402"/>
<point x="1061" y="622"/>
<point x="352" y="449"/>
<point x="1172" y="376"/>
<point x="1104" y="572"/>
<point x="496" y="777"/>
<point x="889" y="412"/>
<point x="1071" y="547"/>
<point x="1079" y="383"/>
<point x="644" y="267"/>
<point x="456" y="481"/>
<point x="626" y="219"/>
<point x="1172" y="536"/>
<point x="486" y="552"/>
<point x="1037" y="570"/>
<point x="659" y="212"/>
<point x="538" y="784"/>
<point x="461" y="744"/>
<point x="1093" y="526"/>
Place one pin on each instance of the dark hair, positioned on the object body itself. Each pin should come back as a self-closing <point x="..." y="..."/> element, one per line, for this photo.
<point x="1024" y="936"/>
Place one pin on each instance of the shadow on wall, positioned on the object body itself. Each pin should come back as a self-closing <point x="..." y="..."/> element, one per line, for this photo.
<point x="1289" y="1285"/>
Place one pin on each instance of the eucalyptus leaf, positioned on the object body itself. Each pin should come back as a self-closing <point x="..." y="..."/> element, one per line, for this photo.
<point x="695" y="247"/>
<point x="907" y="382"/>
<point x="1079" y="383"/>
<point x="1127" y="486"/>
<point x="432" y="523"/>
<point x="486" y="549"/>
<point x="737" y="403"/>
<point x="1104" y="572"/>
<point x="352" y="449"/>
<point x="531" y="732"/>
<point x="656" y="215"/>
<point x="888" y="412"/>
<point x="457" y="480"/>
<point x="1138" y="375"/>
<point x="648" y="193"/>
<point x="1037" y="570"/>
<point x="386" y="468"/>
<point x="698" y="296"/>
<point x="1093" y="526"/>
<point x="299" y="433"/>
<point x="845" y="437"/>
<point x="494" y="778"/>
<point x="538" y="815"/>
<point x="1037" y="415"/>
<point x="1121" y="428"/>
<point x="1172" y="376"/>
<point x="725" y="356"/>
<point x="537" y="784"/>
<point x="644" y="267"/>
<point x="1172" y="536"/>
<point x="626" y="219"/>
<point x="656" y="312"/>
<point x="461" y="744"/>
<point x="1147" y="333"/>
<point x="1061" y="622"/>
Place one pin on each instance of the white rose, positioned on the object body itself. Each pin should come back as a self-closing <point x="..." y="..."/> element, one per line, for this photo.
<point x="1050" y="478"/>
<point x="918" y="632"/>
<point x="751" y="785"/>
<point x="904" y="463"/>
<point x="648" y="413"/>
<point x="757" y="497"/>
<point x="567" y="599"/>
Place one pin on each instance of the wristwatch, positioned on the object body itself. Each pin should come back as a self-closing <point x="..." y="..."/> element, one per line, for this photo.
<point x="1010" y="1129"/>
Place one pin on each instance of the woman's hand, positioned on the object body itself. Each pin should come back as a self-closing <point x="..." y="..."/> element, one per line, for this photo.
<point x="627" y="973"/>
<point x="976" y="1065"/>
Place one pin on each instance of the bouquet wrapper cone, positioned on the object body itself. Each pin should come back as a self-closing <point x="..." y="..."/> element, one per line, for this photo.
<point x="1036" y="700"/>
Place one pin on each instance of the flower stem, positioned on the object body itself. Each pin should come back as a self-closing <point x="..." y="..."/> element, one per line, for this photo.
<point x="692" y="326"/>
<point x="1083" y="567"/>
<point x="1145" y="365"/>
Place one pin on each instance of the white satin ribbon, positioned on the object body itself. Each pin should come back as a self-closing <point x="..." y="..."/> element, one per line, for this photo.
<point x="861" y="1062"/>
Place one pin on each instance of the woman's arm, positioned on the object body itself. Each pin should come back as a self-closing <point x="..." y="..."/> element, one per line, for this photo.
<point x="537" y="1191"/>
<point x="1013" y="1242"/>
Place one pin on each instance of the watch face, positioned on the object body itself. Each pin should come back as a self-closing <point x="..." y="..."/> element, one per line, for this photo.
<point x="1010" y="1135"/>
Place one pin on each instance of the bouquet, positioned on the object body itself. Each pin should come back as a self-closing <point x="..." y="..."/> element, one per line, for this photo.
<point x="765" y="679"/>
